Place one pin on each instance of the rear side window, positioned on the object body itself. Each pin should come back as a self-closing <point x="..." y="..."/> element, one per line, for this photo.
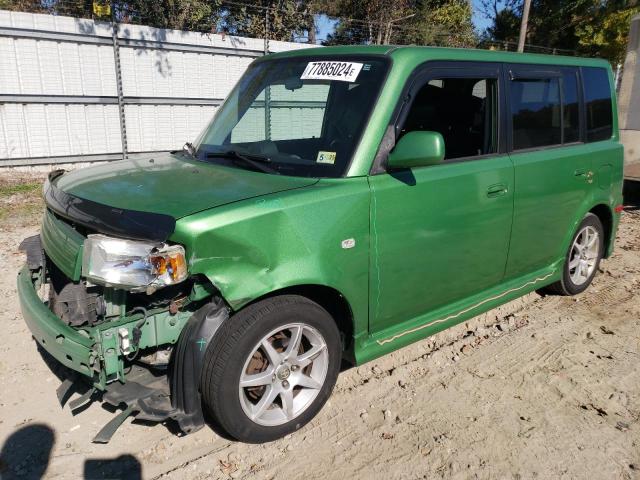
<point x="597" y="94"/>
<point x="535" y="107"/>
<point x="570" y="107"/>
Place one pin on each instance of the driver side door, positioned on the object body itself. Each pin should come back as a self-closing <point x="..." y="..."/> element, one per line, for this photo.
<point x="440" y="234"/>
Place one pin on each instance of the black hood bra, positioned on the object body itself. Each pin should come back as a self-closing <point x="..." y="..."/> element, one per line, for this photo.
<point x="133" y="224"/>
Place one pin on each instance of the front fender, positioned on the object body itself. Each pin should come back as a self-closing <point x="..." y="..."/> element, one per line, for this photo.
<point x="254" y="247"/>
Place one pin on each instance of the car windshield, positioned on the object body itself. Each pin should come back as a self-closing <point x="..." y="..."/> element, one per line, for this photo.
<point x="300" y="116"/>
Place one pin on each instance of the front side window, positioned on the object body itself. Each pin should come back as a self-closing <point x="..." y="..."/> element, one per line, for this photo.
<point x="536" y="112"/>
<point x="299" y="116"/>
<point x="463" y="110"/>
<point x="597" y="93"/>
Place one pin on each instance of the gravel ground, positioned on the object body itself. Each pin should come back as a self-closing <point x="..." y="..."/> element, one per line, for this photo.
<point x="544" y="387"/>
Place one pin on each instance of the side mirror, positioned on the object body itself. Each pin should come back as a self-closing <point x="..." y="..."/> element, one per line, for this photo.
<point x="417" y="149"/>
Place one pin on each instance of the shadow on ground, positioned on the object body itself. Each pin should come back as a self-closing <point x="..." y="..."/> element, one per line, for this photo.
<point x="27" y="452"/>
<point x="631" y="193"/>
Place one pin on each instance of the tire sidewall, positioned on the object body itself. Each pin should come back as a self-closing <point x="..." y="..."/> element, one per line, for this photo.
<point x="227" y="407"/>
<point x="567" y="284"/>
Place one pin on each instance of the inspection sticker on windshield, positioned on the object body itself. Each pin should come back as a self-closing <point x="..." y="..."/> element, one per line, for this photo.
<point x="326" y="157"/>
<point x="342" y="71"/>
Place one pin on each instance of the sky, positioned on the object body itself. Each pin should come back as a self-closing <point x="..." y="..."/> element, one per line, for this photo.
<point x="479" y="20"/>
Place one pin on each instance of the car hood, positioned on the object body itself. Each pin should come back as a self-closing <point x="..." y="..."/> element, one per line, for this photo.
<point x="171" y="184"/>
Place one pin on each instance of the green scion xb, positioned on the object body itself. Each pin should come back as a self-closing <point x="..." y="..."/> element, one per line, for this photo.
<point x="343" y="203"/>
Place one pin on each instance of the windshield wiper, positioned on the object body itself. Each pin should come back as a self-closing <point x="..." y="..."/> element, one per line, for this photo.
<point x="259" y="162"/>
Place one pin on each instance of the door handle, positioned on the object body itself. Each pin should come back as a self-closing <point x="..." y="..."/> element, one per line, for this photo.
<point x="497" y="190"/>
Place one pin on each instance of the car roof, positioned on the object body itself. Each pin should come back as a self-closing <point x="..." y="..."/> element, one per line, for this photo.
<point x="417" y="55"/>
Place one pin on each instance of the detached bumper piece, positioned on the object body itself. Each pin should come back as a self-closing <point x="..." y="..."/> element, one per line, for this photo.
<point x="145" y="396"/>
<point x="153" y="395"/>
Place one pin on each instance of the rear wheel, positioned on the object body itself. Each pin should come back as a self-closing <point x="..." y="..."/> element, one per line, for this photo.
<point x="271" y="368"/>
<point x="583" y="257"/>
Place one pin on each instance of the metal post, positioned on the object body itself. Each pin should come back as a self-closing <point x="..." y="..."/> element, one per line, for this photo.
<point x="523" y="25"/>
<point x="116" y="60"/>
<point x="267" y="90"/>
<point x="618" y="76"/>
<point x="266" y="31"/>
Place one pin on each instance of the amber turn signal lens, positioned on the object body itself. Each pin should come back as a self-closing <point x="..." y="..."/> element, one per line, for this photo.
<point x="159" y="264"/>
<point x="169" y="264"/>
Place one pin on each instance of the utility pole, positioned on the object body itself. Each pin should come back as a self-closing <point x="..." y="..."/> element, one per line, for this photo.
<point x="523" y="25"/>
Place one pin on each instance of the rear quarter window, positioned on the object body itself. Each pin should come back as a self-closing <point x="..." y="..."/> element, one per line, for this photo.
<point x="597" y="95"/>
<point x="535" y="105"/>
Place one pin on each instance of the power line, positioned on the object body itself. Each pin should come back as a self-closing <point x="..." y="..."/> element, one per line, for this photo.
<point x="224" y="19"/>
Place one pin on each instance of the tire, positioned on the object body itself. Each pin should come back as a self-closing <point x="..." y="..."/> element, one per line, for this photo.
<point x="574" y="281"/>
<point x="293" y="383"/>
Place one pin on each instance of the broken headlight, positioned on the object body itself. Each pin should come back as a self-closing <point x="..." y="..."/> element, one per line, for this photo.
<point x="132" y="265"/>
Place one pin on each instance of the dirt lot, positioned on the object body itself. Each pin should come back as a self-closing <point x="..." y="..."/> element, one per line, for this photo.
<point x="545" y="387"/>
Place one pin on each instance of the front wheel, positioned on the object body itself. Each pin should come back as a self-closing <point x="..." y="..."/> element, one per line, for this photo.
<point x="583" y="257"/>
<point x="271" y="368"/>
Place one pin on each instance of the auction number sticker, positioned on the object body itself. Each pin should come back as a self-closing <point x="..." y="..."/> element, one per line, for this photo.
<point x="342" y="71"/>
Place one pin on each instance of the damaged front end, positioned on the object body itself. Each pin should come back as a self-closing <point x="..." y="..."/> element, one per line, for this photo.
<point x="139" y="349"/>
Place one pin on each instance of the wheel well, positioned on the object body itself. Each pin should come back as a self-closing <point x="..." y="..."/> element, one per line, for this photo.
<point x="333" y="302"/>
<point x="603" y="212"/>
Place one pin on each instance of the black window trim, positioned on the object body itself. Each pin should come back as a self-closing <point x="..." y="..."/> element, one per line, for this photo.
<point x="507" y="73"/>
<point x="533" y="71"/>
<point x="420" y="76"/>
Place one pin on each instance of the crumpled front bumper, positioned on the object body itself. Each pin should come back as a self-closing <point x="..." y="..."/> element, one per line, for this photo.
<point x="65" y="344"/>
<point x="146" y="395"/>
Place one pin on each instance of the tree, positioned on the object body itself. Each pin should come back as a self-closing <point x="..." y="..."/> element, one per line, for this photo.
<point x="584" y="27"/>
<point x="506" y="20"/>
<point x="198" y="15"/>
<point x="287" y="19"/>
<point x="422" y="22"/>
<point x="606" y="32"/>
<point x="446" y="23"/>
<point x="362" y="22"/>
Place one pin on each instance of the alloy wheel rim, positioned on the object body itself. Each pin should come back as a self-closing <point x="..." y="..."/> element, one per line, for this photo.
<point x="283" y="374"/>
<point x="584" y="255"/>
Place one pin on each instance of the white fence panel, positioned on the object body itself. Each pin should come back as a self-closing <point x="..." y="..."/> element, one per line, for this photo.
<point x="164" y="127"/>
<point x="58" y="91"/>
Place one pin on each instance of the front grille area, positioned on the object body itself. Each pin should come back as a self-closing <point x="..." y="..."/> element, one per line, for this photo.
<point x="63" y="245"/>
<point x="74" y="303"/>
<point x="84" y="304"/>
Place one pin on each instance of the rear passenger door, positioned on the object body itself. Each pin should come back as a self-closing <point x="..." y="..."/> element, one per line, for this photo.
<point x="553" y="176"/>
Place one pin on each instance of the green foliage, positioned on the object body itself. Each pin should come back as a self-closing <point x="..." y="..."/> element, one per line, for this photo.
<point x="606" y="33"/>
<point x="443" y="23"/>
<point x="587" y="27"/>
<point x="290" y="19"/>
<point x="363" y="22"/>
<point x="175" y="14"/>
<point x="422" y="22"/>
<point x="13" y="189"/>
